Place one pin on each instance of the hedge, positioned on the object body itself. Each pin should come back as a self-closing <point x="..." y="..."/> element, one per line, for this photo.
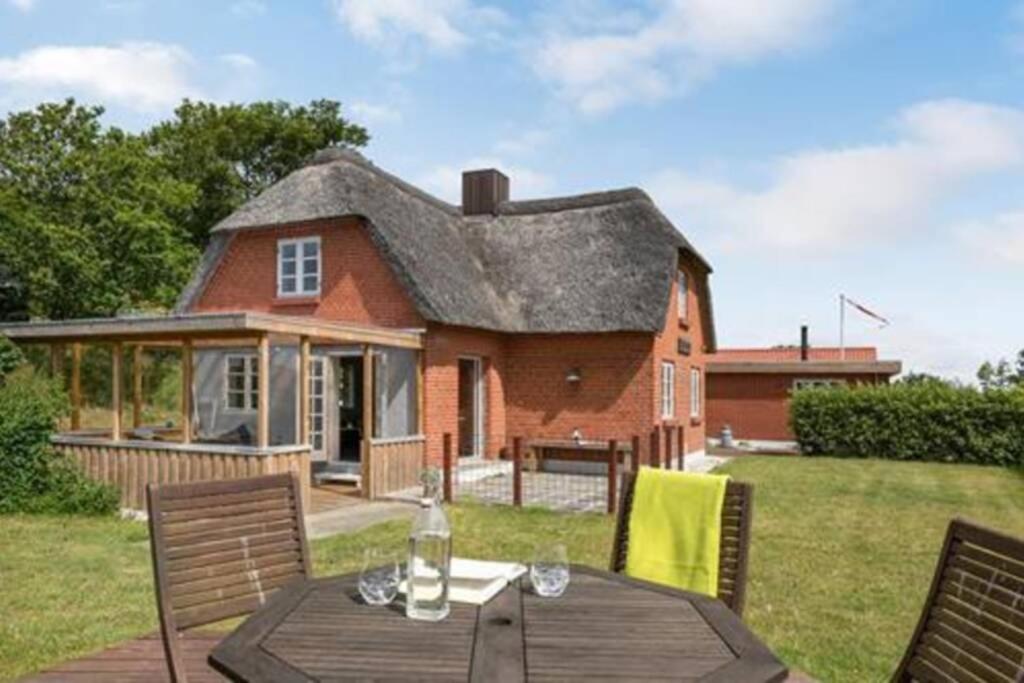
<point x="911" y="422"/>
<point x="33" y="477"/>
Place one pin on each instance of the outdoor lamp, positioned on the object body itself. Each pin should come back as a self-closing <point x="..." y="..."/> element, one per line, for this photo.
<point x="573" y="376"/>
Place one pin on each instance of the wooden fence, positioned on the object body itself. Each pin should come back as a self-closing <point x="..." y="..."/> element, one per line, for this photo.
<point x="551" y="472"/>
<point x="130" y="465"/>
<point x="393" y="465"/>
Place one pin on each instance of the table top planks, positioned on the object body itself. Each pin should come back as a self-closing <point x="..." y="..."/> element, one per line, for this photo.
<point x="605" y="625"/>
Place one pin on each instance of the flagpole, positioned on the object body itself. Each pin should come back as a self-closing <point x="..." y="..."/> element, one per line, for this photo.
<point x="842" y="327"/>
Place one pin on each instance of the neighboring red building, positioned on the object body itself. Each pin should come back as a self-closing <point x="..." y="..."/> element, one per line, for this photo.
<point x="749" y="389"/>
<point x="589" y="313"/>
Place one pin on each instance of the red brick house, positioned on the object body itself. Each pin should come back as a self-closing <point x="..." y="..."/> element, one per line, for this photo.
<point x="749" y="389"/>
<point x="588" y="313"/>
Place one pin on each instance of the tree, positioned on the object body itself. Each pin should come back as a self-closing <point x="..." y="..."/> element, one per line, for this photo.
<point x="922" y="379"/>
<point x="88" y="215"/>
<point x="231" y="153"/>
<point x="1002" y="375"/>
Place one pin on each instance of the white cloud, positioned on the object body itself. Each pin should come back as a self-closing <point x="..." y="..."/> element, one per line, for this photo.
<point x="685" y="43"/>
<point x="239" y="60"/>
<point x="140" y="75"/>
<point x="249" y="8"/>
<point x="23" y="5"/>
<point x="824" y="199"/>
<point x="997" y="240"/>
<point x="368" y="112"/>
<point x="445" y="180"/>
<point x="522" y="143"/>
<point x="442" y="25"/>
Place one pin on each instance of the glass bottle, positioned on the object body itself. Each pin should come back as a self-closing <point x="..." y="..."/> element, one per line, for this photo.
<point x="430" y="555"/>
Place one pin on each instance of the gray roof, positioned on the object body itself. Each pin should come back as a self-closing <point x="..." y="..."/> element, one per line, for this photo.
<point x="598" y="262"/>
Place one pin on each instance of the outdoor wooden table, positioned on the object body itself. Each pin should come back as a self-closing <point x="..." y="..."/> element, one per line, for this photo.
<point x="605" y="625"/>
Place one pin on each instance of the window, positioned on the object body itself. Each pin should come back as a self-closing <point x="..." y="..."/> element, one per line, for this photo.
<point x="242" y="384"/>
<point x="817" y="383"/>
<point x="298" y="267"/>
<point x="682" y="291"/>
<point x="668" y="390"/>
<point x="694" y="392"/>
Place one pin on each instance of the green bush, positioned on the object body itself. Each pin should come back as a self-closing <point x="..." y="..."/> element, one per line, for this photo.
<point x="33" y="477"/>
<point x="928" y="421"/>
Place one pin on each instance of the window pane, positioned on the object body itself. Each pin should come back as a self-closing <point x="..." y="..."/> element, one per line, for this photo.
<point x="287" y="285"/>
<point x="236" y="364"/>
<point x="288" y="251"/>
<point x="311" y="248"/>
<point x="287" y="267"/>
<point x="236" y="382"/>
<point x="309" y="283"/>
<point x="235" y="400"/>
<point x="310" y="266"/>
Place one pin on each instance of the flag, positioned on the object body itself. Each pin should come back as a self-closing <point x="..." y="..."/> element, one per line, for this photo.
<point x="867" y="311"/>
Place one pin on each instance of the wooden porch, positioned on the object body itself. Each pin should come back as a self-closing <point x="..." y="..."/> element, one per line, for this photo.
<point x="130" y="456"/>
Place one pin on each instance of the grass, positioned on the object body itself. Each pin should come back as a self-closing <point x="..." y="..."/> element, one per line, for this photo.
<point x="843" y="552"/>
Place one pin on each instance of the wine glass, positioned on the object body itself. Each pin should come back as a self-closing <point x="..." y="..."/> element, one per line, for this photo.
<point x="549" y="572"/>
<point x="379" y="578"/>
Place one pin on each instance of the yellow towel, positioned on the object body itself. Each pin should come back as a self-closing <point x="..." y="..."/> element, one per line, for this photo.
<point x="675" y="529"/>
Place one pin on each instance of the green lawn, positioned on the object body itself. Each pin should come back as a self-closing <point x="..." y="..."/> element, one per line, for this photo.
<point x="842" y="556"/>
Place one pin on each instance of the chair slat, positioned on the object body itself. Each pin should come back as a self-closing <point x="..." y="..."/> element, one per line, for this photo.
<point x="734" y="543"/>
<point x="972" y="625"/>
<point x="220" y="549"/>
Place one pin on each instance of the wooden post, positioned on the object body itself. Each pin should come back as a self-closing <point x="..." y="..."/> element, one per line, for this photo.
<point x="635" y="455"/>
<point x="303" y="432"/>
<point x="517" y="471"/>
<point x="668" y="447"/>
<point x="654" y="460"/>
<point x="186" y="391"/>
<point x="446" y="461"/>
<point x="366" y="446"/>
<point x="613" y="474"/>
<point x="263" y="397"/>
<point x="137" y="386"/>
<point x="116" y="375"/>
<point x="76" y="386"/>
<point x="682" y="448"/>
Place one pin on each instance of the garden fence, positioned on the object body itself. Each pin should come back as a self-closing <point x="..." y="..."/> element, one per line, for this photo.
<point x="579" y="476"/>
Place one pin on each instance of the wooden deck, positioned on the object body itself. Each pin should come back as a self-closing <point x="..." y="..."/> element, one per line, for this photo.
<point x="327" y="497"/>
<point x="136" y="661"/>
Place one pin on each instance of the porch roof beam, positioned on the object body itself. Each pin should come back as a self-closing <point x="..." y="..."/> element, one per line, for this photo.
<point x="221" y="326"/>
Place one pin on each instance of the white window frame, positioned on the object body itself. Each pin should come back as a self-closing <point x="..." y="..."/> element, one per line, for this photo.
<point x="318" y="371"/>
<point x="695" y="397"/>
<point x="251" y="378"/>
<point x="681" y="295"/>
<point x="300" y="273"/>
<point x="668" y="390"/>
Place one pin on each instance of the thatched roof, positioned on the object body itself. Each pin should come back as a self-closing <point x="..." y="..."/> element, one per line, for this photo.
<point x="598" y="262"/>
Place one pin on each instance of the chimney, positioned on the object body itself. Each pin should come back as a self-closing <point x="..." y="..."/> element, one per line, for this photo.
<point x="483" y="191"/>
<point x="804" y="345"/>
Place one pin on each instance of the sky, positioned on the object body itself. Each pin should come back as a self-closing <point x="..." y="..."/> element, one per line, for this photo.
<point x="807" y="148"/>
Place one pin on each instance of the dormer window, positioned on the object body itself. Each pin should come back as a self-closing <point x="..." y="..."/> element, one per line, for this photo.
<point x="683" y="310"/>
<point x="298" y="267"/>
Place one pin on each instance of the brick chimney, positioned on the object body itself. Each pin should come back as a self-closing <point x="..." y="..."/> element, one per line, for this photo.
<point x="483" y="191"/>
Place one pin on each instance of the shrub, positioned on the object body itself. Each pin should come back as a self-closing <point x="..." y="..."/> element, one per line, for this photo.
<point x="924" y="421"/>
<point x="10" y="357"/>
<point x="33" y="477"/>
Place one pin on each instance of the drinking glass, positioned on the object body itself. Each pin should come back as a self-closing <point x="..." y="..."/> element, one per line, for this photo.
<point x="379" y="578"/>
<point x="549" y="572"/>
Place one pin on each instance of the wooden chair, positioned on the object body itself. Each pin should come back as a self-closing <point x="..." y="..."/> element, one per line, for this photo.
<point x="734" y="547"/>
<point x="972" y="625"/>
<point x="220" y="549"/>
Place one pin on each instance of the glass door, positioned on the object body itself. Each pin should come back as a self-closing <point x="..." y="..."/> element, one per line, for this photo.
<point x="317" y="401"/>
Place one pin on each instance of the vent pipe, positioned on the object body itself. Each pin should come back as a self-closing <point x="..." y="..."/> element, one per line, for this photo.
<point x="805" y="347"/>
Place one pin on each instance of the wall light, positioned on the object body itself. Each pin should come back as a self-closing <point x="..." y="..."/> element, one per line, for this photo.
<point x="573" y="376"/>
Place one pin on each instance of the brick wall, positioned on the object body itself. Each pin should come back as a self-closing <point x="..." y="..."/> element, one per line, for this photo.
<point x="357" y="285"/>
<point x="666" y="348"/>
<point x="445" y="344"/>
<point x="612" y="399"/>
<point x="756" y="406"/>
